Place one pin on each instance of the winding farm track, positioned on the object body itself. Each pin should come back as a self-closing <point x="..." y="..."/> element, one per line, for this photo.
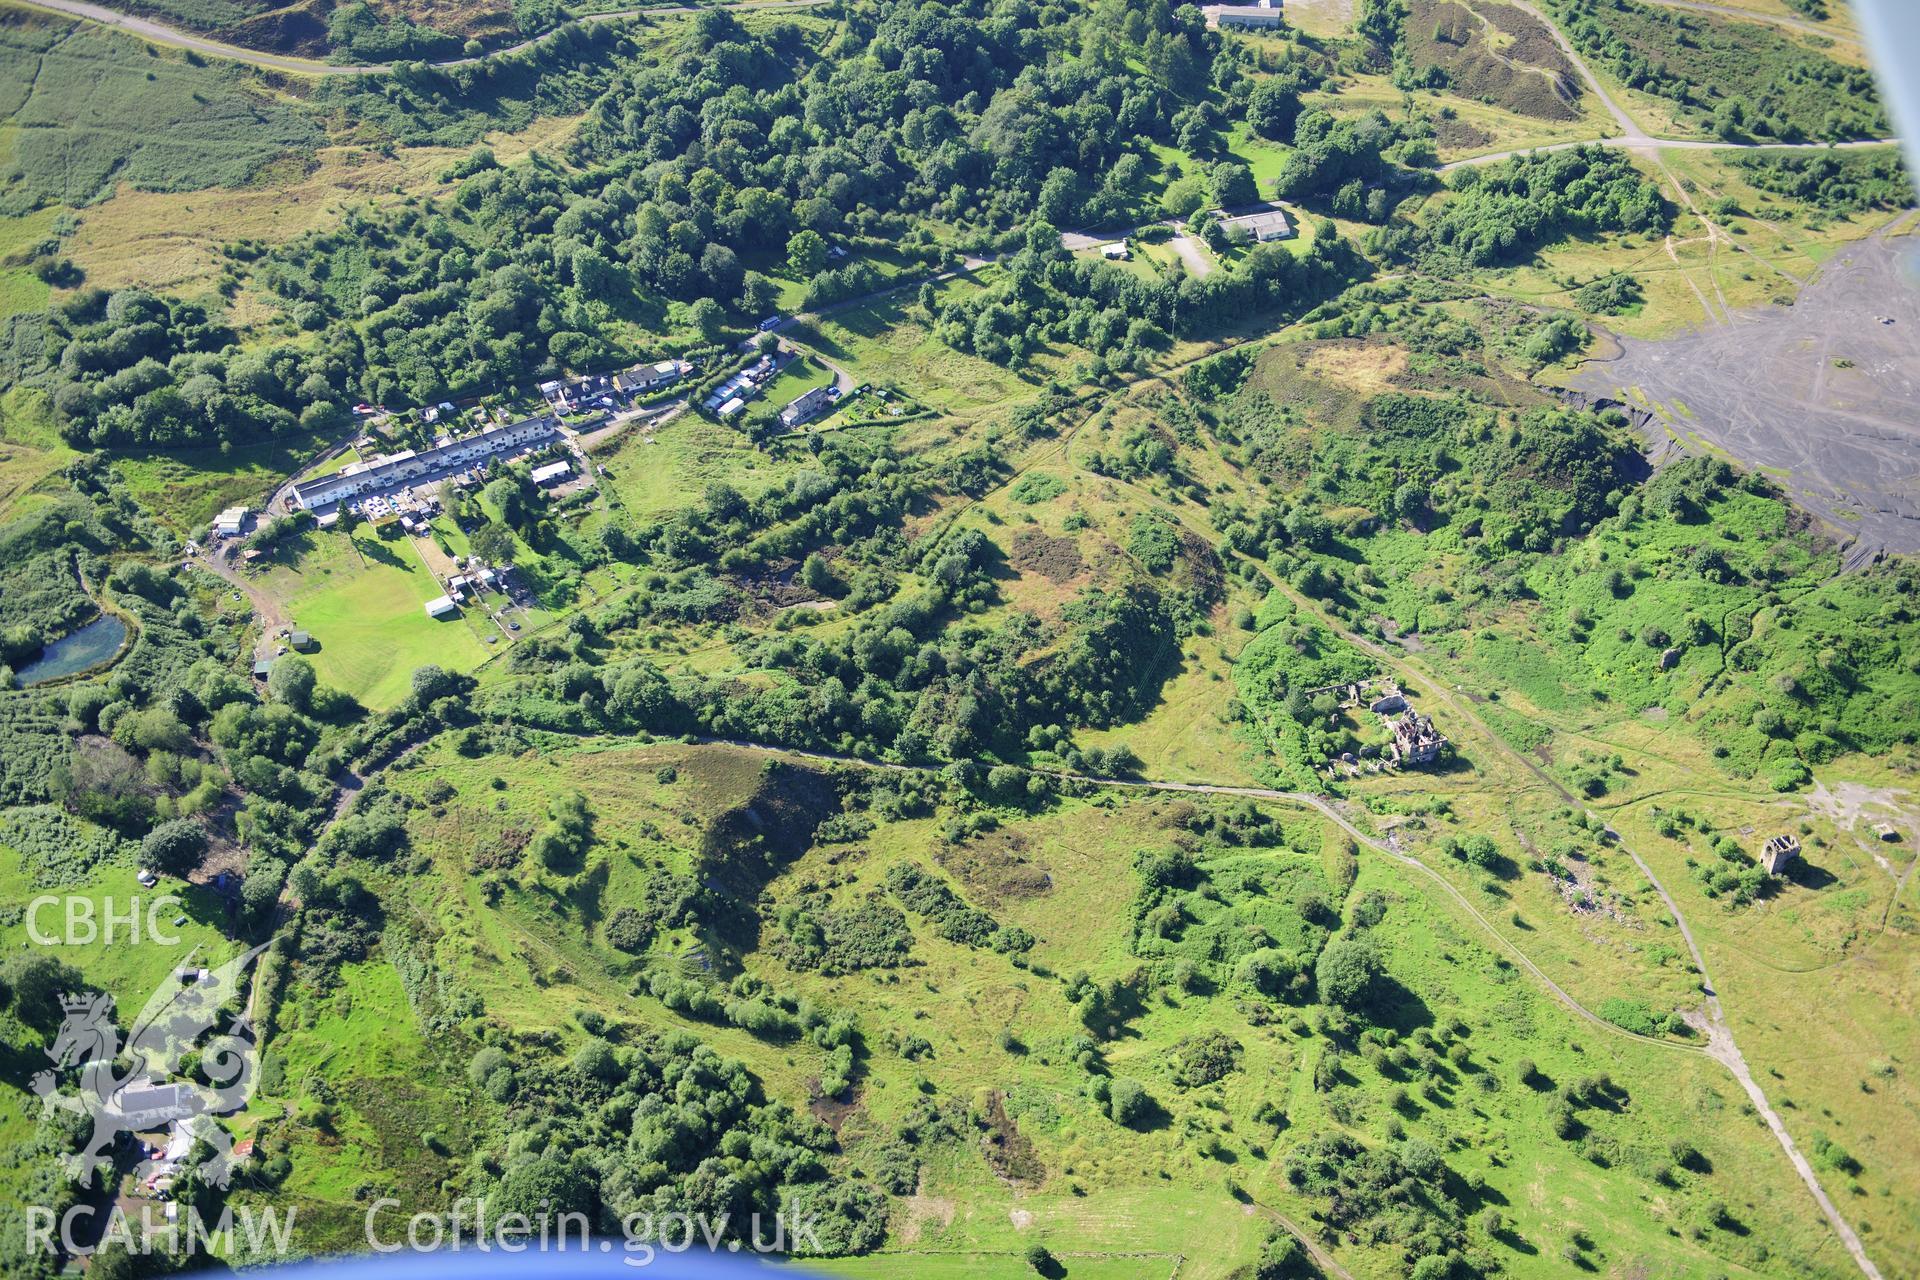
<point x="161" y="33"/>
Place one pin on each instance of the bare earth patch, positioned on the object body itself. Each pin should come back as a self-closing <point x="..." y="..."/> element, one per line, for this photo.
<point x="1820" y="393"/>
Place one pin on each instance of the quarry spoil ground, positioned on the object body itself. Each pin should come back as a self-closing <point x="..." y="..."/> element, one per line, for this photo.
<point x="1823" y="395"/>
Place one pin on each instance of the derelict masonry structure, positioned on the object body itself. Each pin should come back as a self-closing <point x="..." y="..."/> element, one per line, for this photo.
<point x="1412" y="739"/>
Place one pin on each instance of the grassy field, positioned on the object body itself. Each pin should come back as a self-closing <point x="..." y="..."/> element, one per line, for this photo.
<point x="885" y="343"/>
<point x="67" y="90"/>
<point x="133" y="971"/>
<point x="1838" y="24"/>
<point x="21" y="288"/>
<point x="187" y="488"/>
<point x="651" y="472"/>
<point x="31" y="450"/>
<point x="361" y="599"/>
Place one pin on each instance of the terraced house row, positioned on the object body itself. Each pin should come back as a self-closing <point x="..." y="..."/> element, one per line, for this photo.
<point x="379" y="474"/>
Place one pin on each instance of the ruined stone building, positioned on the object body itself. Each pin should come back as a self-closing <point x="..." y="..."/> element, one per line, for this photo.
<point x="1778" y="852"/>
<point x="1415" y="740"/>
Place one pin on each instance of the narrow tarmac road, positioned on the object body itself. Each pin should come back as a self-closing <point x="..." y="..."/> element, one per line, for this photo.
<point x="1656" y="145"/>
<point x="161" y="33"/>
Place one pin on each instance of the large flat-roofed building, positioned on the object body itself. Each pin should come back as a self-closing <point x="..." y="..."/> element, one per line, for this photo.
<point x="1265" y="13"/>
<point x="552" y="473"/>
<point x="1258" y="222"/>
<point x="379" y="474"/>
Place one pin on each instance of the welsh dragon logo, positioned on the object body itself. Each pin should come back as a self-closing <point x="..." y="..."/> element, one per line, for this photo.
<point x="144" y="1085"/>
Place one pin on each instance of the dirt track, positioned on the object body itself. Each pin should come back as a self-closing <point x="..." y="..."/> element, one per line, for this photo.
<point x="1820" y="394"/>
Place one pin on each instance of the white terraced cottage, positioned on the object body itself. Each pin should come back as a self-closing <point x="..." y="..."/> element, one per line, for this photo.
<point x="380" y="474"/>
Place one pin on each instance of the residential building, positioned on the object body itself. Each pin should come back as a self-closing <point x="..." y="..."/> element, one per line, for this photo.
<point x="1257" y="222"/>
<point x="1263" y="14"/>
<point x="650" y="377"/>
<point x="379" y="474"/>
<point x="146" y="1105"/>
<point x="806" y="406"/>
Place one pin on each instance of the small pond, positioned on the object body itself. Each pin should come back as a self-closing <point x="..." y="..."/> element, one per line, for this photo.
<point x="76" y="651"/>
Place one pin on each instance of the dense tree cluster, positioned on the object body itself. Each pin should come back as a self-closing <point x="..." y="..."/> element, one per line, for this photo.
<point x="1502" y="212"/>
<point x="650" y="1126"/>
<point x="1400" y="1194"/>
<point x="1047" y="296"/>
<point x="1843" y="183"/>
<point x="132" y="368"/>
<point x="1341" y="157"/>
<point x="356" y="30"/>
